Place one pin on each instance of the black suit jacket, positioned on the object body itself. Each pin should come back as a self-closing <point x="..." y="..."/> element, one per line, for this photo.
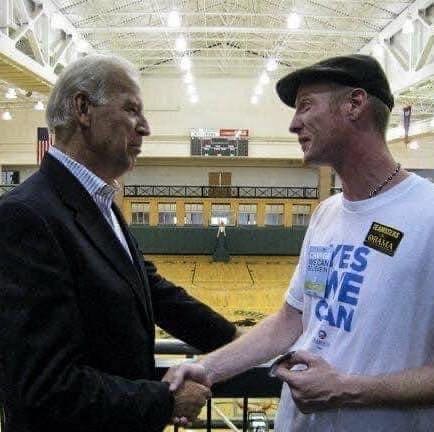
<point x="77" y="315"/>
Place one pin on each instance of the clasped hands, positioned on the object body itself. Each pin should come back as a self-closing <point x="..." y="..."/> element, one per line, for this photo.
<point x="317" y="387"/>
<point x="191" y="389"/>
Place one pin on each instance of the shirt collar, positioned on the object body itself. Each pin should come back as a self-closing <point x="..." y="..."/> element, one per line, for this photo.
<point x="94" y="185"/>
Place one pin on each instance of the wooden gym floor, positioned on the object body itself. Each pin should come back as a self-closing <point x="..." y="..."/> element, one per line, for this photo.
<point x="244" y="290"/>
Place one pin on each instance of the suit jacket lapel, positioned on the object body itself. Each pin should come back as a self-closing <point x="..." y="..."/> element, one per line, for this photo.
<point x="137" y="258"/>
<point x="92" y="223"/>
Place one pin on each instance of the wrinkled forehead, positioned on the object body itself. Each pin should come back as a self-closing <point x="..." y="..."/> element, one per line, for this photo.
<point x="312" y="89"/>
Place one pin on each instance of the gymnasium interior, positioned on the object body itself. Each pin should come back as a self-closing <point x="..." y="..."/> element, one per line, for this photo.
<point x="220" y="152"/>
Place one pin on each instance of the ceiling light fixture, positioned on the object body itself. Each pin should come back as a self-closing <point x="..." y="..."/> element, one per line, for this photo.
<point x="180" y="44"/>
<point x="185" y="63"/>
<point x="173" y="19"/>
<point x="271" y="64"/>
<point x="400" y="131"/>
<point x="413" y="145"/>
<point x="11" y="94"/>
<point x="188" y="78"/>
<point x="264" y="78"/>
<point x="432" y="122"/>
<point x="258" y="90"/>
<point x="293" y="21"/>
<point x="57" y="21"/>
<point x="6" y="116"/>
<point x="408" y="26"/>
<point x="194" y="98"/>
<point x="82" y="45"/>
<point x="39" y="106"/>
<point x="378" y="49"/>
<point x="254" y="100"/>
<point x="190" y="89"/>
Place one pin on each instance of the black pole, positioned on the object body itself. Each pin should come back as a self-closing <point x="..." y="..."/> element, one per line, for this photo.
<point x="208" y="415"/>
<point x="245" y="409"/>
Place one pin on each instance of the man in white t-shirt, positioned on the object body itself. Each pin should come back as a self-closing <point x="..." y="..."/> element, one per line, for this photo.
<point x="359" y="311"/>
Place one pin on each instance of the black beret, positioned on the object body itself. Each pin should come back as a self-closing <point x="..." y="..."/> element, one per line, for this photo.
<point x="354" y="71"/>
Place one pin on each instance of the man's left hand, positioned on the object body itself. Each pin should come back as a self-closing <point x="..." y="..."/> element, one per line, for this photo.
<point x="318" y="387"/>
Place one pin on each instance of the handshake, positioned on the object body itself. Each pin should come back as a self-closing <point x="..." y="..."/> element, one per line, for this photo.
<point x="315" y="385"/>
<point x="190" y="386"/>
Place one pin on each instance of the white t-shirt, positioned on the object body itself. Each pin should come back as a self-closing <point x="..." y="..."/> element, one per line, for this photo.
<point x="367" y="311"/>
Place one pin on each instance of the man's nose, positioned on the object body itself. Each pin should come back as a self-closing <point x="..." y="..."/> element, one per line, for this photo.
<point x="295" y="125"/>
<point x="143" y="128"/>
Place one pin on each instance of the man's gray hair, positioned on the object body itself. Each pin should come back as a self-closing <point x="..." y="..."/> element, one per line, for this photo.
<point x="91" y="75"/>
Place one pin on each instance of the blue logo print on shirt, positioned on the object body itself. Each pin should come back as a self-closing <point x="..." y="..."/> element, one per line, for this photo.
<point x="342" y="290"/>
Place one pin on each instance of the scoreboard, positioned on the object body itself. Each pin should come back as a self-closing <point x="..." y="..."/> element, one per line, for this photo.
<point x="219" y="142"/>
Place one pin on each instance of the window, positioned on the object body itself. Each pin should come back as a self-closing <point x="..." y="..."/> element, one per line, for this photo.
<point x="274" y="214"/>
<point x="221" y="213"/>
<point x="167" y="214"/>
<point x="10" y="177"/>
<point x="300" y="214"/>
<point x="193" y="214"/>
<point x="247" y="214"/>
<point x="140" y="213"/>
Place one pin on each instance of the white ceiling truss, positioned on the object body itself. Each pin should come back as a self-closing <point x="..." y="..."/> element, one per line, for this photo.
<point x="409" y="59"/>
<point x="36" y="40"/>
<point x="226" y="38"/>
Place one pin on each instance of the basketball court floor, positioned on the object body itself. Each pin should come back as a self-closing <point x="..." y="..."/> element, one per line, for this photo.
<point x="244" y="290"/>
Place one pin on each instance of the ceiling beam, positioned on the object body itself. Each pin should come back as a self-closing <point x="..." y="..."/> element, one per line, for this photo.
<point x="281" y="15"/>
<point x="223" y="39"/>
<point x="170" y="65"/>
<point x="226" y="30"/>
<point x="410" y="67"/>
<point x="232" y="58"/>
<point x="223" y="48"/>
<point x="23" y="63"/>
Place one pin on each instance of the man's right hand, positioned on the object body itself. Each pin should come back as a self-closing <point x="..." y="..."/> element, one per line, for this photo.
<point x="176" y="375"/>
<point x="190" y="397"/>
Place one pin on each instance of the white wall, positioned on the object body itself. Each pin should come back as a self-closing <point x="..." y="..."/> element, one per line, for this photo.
<point x="223" y="103"/>
<point x="18" y="137"/>
<point x="241" y="176"/>
<point x="423" y="158"/>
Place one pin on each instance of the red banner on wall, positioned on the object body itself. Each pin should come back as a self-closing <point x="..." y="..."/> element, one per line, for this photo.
<point x="238" y="133"/>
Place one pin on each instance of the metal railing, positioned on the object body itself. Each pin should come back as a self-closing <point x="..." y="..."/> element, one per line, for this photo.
<point x="221" y="191"/>
<point x="255" y="383"/>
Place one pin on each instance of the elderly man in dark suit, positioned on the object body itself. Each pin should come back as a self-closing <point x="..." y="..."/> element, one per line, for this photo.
<point x="78" y="302"/>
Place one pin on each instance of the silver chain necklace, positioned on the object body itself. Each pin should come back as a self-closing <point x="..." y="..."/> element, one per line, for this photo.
<point x="376" y="190"/>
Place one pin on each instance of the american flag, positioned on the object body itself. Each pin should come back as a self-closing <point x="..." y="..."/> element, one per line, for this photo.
<point x="45" y="139"/>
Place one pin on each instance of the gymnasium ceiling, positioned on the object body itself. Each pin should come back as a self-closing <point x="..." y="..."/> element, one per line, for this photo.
<point x="236" y="38"/>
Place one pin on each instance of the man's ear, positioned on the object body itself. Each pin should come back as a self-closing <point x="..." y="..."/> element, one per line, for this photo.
<point x="358" y="99"/>
<point x="82" y="109"/>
